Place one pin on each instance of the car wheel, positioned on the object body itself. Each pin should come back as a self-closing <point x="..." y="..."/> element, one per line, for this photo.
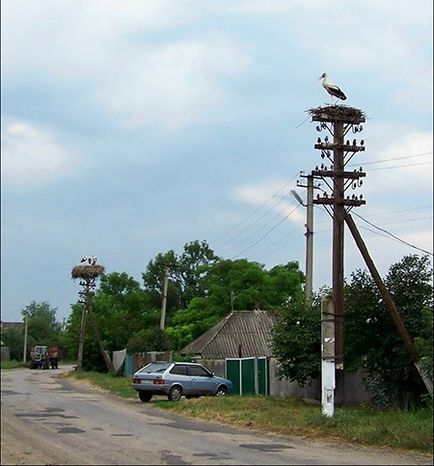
<point x="222" y="391"/>
<point x="175" y="393"/>
<point x="144" y="396"/>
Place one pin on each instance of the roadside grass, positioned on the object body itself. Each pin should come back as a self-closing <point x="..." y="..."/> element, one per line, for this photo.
<point x="12" y="364"/>
<point x="409" y="430"/>
<point x="120" y="386"/>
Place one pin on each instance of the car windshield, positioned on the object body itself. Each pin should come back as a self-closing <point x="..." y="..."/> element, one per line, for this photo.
<point x="154" y="367"/>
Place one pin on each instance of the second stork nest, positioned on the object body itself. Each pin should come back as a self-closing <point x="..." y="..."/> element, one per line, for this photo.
<point x="87" y="271"/>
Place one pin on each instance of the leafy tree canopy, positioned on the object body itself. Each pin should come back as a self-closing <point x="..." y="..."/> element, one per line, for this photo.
<point x="371" y="339"/>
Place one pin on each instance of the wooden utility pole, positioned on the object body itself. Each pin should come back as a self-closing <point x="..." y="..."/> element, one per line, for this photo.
<point x="338" y="121"/>
<point x="81" y="338"/>
<point x="88" y="274"/>
<point x="164" y="300"/>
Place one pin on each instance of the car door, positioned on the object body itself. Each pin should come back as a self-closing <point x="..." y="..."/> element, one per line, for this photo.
<point x="178" y="374"/>
<point x="202" y="381"/>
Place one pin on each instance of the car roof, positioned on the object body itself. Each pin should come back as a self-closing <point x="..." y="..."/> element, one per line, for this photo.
<point x="188" y="363"/>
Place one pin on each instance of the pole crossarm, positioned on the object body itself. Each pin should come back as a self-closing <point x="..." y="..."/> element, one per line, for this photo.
<point x="354" y="175"/>
<point x="333" y="201"/>
<point x="343" y="147"/>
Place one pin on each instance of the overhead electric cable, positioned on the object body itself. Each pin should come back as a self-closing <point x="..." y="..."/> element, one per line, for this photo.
<point x="392" y="159"/>
<point x="256" y="210"/>
<point x="268" y="232"/>
<point x="265" y="214"/>
<point x="278" y="214"/>
<point x="401" y="166"/>
<point x="394" y="236"/>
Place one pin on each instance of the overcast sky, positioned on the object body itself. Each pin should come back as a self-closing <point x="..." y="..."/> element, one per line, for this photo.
<point x="131" y="128"/>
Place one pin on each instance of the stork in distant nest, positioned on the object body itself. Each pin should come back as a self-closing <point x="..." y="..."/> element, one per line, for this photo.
<point x="331" y="88"/>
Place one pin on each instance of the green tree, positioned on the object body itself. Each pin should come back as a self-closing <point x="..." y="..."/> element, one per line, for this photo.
<point x="250" y="285"/>
<point x="42" y="326"/>
<point x="121" y="308"/>
<point x="153" y="279"/>
<point x="193" y="263"/>
<point x="185" y="273"/>
<point x="14" y="340"/>
<point x="371" y="339"/>
<point x="297" y="339"/>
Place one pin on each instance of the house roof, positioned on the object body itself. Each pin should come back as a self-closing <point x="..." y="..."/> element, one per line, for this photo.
<point x="250" y="329"/>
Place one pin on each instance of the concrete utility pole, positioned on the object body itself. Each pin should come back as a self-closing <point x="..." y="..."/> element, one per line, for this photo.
<point x="26" y="321"/>
<point x="164" y="301"/>
<point x="338" y="121"/>
<point x="308" y="234"/>
<point x="328" y="378"/>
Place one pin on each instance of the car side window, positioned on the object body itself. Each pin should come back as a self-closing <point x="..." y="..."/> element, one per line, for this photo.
<point x="198" y="371"/>
<point x="179" y="369"/>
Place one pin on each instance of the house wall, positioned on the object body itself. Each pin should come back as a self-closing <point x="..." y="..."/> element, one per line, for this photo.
<point x="350" y="389"/>
<point x="5" y="356"/>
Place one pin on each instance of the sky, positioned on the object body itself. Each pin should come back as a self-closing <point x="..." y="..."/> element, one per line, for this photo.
<point x="132" y="128"/>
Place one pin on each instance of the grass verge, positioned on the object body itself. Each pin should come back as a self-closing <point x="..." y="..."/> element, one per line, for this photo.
<point x="11" y="364"/>
<point x="410" y="430"/>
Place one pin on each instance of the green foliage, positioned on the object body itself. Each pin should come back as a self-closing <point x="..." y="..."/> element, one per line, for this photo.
<point x="147" y="339"/>
<point x="122" y="310"/>
<point x="185" y="272"/>
<point x="296" y="340"/>
<point x="14" y="340"/>
<point x="249" y="285"/>
<point x="371" y="339"/>
<point x="12" y="364"/>
<point x="43" y="329"/>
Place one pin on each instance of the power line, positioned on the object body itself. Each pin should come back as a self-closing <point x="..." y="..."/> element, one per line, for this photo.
<point x="278" y="214"/>
<point x="393" y="159"/>
<point x="254" y="212"/>
<point x="387" y="212"/>
<point x="401" y="166"/>
<point x="268" y="232"/>
<point x="394" y="236"/>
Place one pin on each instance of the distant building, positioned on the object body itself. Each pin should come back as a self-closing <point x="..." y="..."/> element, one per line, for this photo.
<point x="5" y="354"/>
<point x="9" y="325"/>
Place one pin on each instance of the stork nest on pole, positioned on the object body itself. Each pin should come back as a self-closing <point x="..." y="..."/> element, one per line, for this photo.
<point x="87" y="271"/>
<point x="337" y="113"/>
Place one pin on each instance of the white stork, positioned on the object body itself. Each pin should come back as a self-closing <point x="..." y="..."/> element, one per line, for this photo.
<point x="332" y="89"/>
<point x="83" y="259"/>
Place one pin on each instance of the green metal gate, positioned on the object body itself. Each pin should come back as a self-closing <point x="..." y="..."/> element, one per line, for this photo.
<point x="263" y="376"/>
<point x="249" y="375"/>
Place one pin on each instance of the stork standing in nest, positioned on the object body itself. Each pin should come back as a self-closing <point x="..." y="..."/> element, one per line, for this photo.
<point x="331" y="88"/>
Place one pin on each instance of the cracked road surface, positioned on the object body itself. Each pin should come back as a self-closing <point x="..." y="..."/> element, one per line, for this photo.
<point x="46" y="419"/>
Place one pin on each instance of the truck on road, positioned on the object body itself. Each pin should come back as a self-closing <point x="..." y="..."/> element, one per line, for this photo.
<point x="44" y="357"/>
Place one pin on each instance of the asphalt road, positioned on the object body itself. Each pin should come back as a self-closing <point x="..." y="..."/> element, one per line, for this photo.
<point x="46" y="419"/>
